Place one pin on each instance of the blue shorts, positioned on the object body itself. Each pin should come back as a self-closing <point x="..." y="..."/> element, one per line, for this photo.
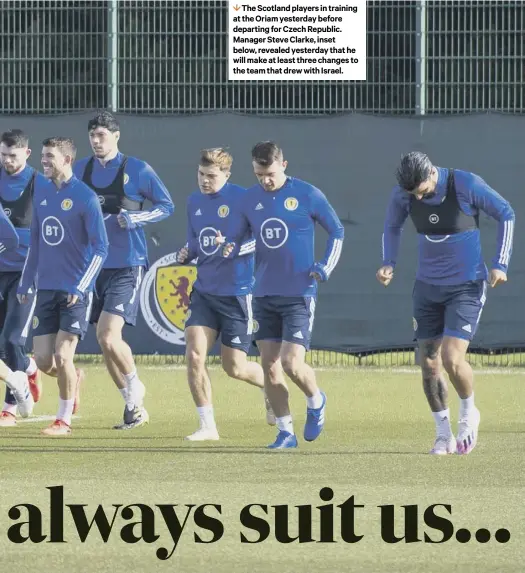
<point x="229" y="315"/>
<point x="289" y="318"/>
<point x="442" y="310"/>
<point x="117" y="291"/>
<point x="15" y="318"/>
<point x="52" y="313"/>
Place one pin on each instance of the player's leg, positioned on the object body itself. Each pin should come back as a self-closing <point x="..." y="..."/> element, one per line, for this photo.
<point x="268" y="336"/>
<point x="236" y="327"/>
<point x="201" y="330"/>
<point x="115" y="349"/>
<point x="44" y="349"/>
<point x="462" y="316"/>
<point x="429" y="320"/>
<point x="65" y="347"/>
<point x="298" y="320"/>
<point x="277" y="392"/>
<point x="236" y="364"/>
<point x="8" y="414"/>
<point x="18" y="385"/>
<point x="73" y="322"/>
<point x="121" y="366"/>
<point x="117" y="305"/>
<point x="98" y="306"/>
<point x="16" y="328"/>
<point x="199" y="341"/>
<point x="46" y="324"/>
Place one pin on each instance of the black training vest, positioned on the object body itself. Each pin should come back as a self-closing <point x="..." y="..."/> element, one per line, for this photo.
<point x="112" y="198"/>
<point x="447" y="218"/>
<point x="20" y="211"/>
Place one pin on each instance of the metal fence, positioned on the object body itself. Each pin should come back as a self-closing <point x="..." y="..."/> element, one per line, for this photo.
<point x="507" y="358"/>
<point x="135" y="56"/>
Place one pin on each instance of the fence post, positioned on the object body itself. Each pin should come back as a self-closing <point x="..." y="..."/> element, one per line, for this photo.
<point x="113" y="55"/>
<point x="421" y="57"/>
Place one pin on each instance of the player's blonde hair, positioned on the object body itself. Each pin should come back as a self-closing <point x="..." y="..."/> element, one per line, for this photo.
<point x="216" y="156"/>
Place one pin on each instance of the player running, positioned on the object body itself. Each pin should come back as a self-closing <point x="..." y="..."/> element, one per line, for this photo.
<point x="68" y="246"/>
<point x="123" y="184"/>
<point x="16" y="381"/>
<point x="282" y="212"/>
<point x="17" y="182"/>
<point x="221" y="299"/>
<point x="450" y="287"/>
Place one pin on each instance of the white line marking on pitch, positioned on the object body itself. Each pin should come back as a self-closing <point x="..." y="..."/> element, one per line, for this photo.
<point x="43" y="418"/>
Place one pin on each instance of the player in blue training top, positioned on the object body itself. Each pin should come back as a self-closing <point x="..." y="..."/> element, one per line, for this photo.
<point x="17" y="383"/>
<point x="282" y="212"/>
<point x="221" y="298"/>
<point x="67" y="249"/>
<point x="123" y="184"/>
<point x="17" y="182"/>
<point x="450" y="286"/>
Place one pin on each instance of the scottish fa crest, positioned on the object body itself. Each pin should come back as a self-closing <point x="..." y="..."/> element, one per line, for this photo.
<point x="165" y="298"/>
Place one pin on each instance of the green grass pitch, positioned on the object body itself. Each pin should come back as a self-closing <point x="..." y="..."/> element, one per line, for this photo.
<point x="374" y="447"/>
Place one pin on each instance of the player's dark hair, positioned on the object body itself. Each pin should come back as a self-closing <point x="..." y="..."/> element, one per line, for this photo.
<point x="266" y="152"/>
<point x="106" y="120"/>
<point x="65" y="144"/>
<point x="415" y="167"/>
<point x="14" y="138"/>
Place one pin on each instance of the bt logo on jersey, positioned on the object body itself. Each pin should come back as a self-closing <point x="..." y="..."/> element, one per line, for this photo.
<point x="274" y="233"/>
<point x="52" y="231"/>
<point x="207" y="241"/>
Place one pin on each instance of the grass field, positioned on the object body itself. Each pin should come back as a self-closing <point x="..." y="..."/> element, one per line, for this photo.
<point x="374" y="447"/>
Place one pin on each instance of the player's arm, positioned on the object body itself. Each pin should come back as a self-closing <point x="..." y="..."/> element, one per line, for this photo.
<point x="190" y="252"/>
<point x="325" y="215"/>
<point x="153" y="189"/>
<point x="29" y="272"/>
<point x="396" y="215"/>
<point x="482" y="196"/>
<point x="242" y="247"/>
<point x="247" y="246"/>
<point x="98" y="239"/>
<point x="8" y="236"/>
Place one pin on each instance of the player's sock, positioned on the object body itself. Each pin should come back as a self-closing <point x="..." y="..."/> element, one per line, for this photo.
<point x="206" y="416"/>
<point x="285" y="424"/>
<point x="316" y="401"/>
<point x="133" y="382"/>
<point x="9" y="378"/>
<point x="12" y="381"/>
<point x="466" y="406"/>
<point x="443" y="427"/>
<point x="124" y="393"/>
<point x="65" y="410"/>
<point x="10" y="408"/>
<point x="32" y="368"/>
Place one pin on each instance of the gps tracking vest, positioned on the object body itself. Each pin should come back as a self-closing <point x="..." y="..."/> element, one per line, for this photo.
<point x="447" y="218"/>
<point x="113" y="197"/>
<point x="19" y="211"/>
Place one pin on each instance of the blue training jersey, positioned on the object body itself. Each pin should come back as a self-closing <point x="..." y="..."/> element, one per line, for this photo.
<point x="452" y="259"/>
<point x="11" y="188"/>
<point x="208" y="214"/>
<point x="9" y="238"/>
<point x="283" y="224"/>
<point x="128" y="247"/>
<point x="68" y="242"/>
